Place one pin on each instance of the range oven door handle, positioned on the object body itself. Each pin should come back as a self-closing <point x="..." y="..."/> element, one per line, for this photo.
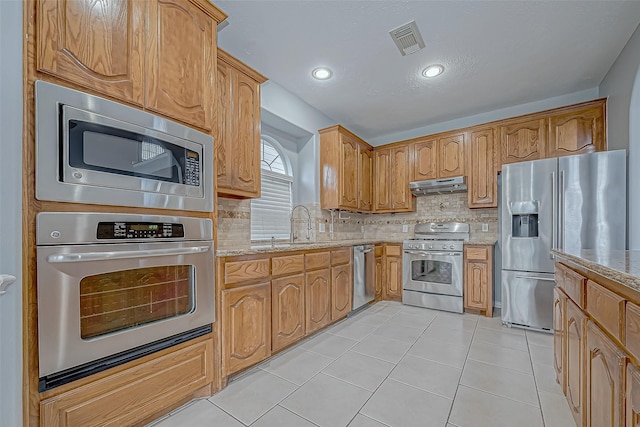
<point x="433" y="253"/>
<point x="103" y="256"/>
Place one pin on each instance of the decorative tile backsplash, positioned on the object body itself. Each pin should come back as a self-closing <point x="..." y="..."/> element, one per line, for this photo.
<point x="234" y="221"/>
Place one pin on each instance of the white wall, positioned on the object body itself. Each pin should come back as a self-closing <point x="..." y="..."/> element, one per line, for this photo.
<point x="11" y="210"/>
<point x="279" y="102"/>
<point x="503" y="113"/>
<point x="621" y="86"/>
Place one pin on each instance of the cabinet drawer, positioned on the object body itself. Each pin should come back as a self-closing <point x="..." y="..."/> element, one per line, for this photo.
<point x="317" y="260"/>
<point x="240" y="271"/>
<point x="340" y="256"/>
<point x="393" y="250"/>
<point x="291" y="264"/>
<point x="606" y="308"/>
<point x="571" y="283"/>
<point x="377" y="251"/>
<point x="632" y="329"/>
<point x="476" y="253"/>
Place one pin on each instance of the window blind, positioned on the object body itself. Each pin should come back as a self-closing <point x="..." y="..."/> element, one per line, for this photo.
<point x="270" y="213"/>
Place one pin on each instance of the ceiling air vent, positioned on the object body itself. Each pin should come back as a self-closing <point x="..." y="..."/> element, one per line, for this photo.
<point x="407" y="38"/>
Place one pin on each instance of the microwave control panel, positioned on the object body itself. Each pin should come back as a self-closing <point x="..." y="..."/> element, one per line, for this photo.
<point x="192" y="168"/>
<point x="139" y="230"/>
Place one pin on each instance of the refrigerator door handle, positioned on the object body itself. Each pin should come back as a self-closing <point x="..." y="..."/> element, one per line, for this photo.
<point x="554" y="213"/>
<point x="560" y="238"/>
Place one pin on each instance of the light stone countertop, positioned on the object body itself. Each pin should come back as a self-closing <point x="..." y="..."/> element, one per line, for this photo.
<point x="263" y="248"/>
<point x="620" y="266"/>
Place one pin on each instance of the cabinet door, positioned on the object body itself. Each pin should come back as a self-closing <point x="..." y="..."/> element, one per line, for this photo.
<point x="348" y="172"/>
<point x="476" y="286"/>
<point x="98" y="45"/>
<point x="559" y="336"/>
<point x="575" y="330"/>
<point x="224" y="135"/>
<point x="451" y="156"/>
<point x="523" y="141"/>
<point x="393" y="273"/>
<point x="605" y="380"/>
<point x="180" y="62"/>
<point x="245" y="154"/>
<point x="576" y="132"/>
<point x="633" y="396"/>
<point x="382" y="180"/>
<point x="246" y="324"/>
<point x="401" y="199"/>
<point x="287" y="309"/>
<point x="364" y="180"/>
<point x="318" y="299"/>
<point x="341" y="291"/>
<point x="379" y="279"/>
<point x="425" y="160"/>
<point x="483" y="187"/>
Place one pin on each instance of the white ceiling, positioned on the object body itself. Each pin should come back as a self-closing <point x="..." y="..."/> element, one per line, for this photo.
<point x="496" y="54"/>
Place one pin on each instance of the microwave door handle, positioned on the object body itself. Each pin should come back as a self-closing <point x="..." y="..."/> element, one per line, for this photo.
<point x="103" y="256"/>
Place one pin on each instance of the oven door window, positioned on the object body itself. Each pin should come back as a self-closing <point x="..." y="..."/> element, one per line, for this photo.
<point x="114" y="301"/>
<point x="432" y="271"/>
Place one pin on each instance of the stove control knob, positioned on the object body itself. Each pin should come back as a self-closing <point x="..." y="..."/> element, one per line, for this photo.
<point x="444" y="246"/>
<point x="430" y="246"/>
<point x="452" y="247"/>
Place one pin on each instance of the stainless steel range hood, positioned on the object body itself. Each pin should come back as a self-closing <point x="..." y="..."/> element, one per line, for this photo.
<point x="439" y="186"/>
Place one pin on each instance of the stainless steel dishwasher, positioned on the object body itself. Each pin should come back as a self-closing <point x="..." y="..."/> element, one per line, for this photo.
<point x="364" y="264"/>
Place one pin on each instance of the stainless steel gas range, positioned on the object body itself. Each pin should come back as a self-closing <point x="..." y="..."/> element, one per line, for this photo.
<point x="432" y="266"/>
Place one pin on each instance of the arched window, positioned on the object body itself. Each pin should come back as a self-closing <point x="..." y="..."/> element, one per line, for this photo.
<point x="270" y="213"/>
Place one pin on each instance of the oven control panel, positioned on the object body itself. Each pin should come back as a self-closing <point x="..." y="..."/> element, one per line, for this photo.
<point x="139" y="230"/>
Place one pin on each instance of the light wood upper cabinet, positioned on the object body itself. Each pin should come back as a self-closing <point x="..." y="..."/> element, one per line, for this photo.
<point x="98" y="45"/>
<point x="425" y="160"/>
<point x="345" y="170"/>
<point x="482" y="186"/>
<point x="246" y="314"/>
<point x="392" y="174"/>
<point x="181" y="62"/>
<point x="478" y="278"/>
<point x="522" y="141"/>
<point x="451" y="155"/>
<point x="365" y="199"/>
<point x="605" y="378"/>
<point x="341" y="291"/>
<point x="349" y="159"/>
<point x="287" y="308"/>
<point x="577" y="131"/>
<point x="237" y="140"/>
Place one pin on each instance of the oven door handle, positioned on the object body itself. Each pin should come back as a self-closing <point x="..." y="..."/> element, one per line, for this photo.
<point x="433" y="253"/>
<point x="102" y="256"/>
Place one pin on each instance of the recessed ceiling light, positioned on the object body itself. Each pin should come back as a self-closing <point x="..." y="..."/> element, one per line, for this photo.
<point x="433" y="71"/>
<point x="321" y="73"/>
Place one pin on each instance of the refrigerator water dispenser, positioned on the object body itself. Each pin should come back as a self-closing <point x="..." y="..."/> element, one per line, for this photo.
<point x="524" y="219"/>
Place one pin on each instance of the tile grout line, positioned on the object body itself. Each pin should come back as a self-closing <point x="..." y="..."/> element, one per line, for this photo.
<point x="535" y="381"/>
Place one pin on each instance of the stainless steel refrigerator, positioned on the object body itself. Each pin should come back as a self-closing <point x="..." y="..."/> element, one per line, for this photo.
<point x="570" y="203"/>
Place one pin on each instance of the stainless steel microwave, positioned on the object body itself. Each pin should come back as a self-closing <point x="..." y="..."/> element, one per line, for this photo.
<point x="96" y="151"/>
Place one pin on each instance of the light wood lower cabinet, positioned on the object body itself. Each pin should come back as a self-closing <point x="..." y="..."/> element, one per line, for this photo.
<point x="605" y="378"/>
<point x="633" y="397"/>
<point x="379" y="272"/>
<point x="318" y="295"/>
<point x="575" y="390"/>
<point x="393" y="272"/>
<point x="246" y="320"/>
<point x="287" y="308"/>
<point x="341" y="291"/>
<point x="478" y="278"/>
<point x="559" y="350"/>
<point x="133" y="395"/>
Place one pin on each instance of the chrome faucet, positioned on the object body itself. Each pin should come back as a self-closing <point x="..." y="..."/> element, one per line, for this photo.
<point x="292" y="234"/>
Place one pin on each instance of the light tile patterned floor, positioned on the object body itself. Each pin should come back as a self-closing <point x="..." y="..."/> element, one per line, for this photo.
<point x="396" y="365"/>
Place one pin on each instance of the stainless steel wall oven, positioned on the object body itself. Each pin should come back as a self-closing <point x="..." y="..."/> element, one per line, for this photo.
<point x="115" y="287"/>
<point x="92" y="150"/>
